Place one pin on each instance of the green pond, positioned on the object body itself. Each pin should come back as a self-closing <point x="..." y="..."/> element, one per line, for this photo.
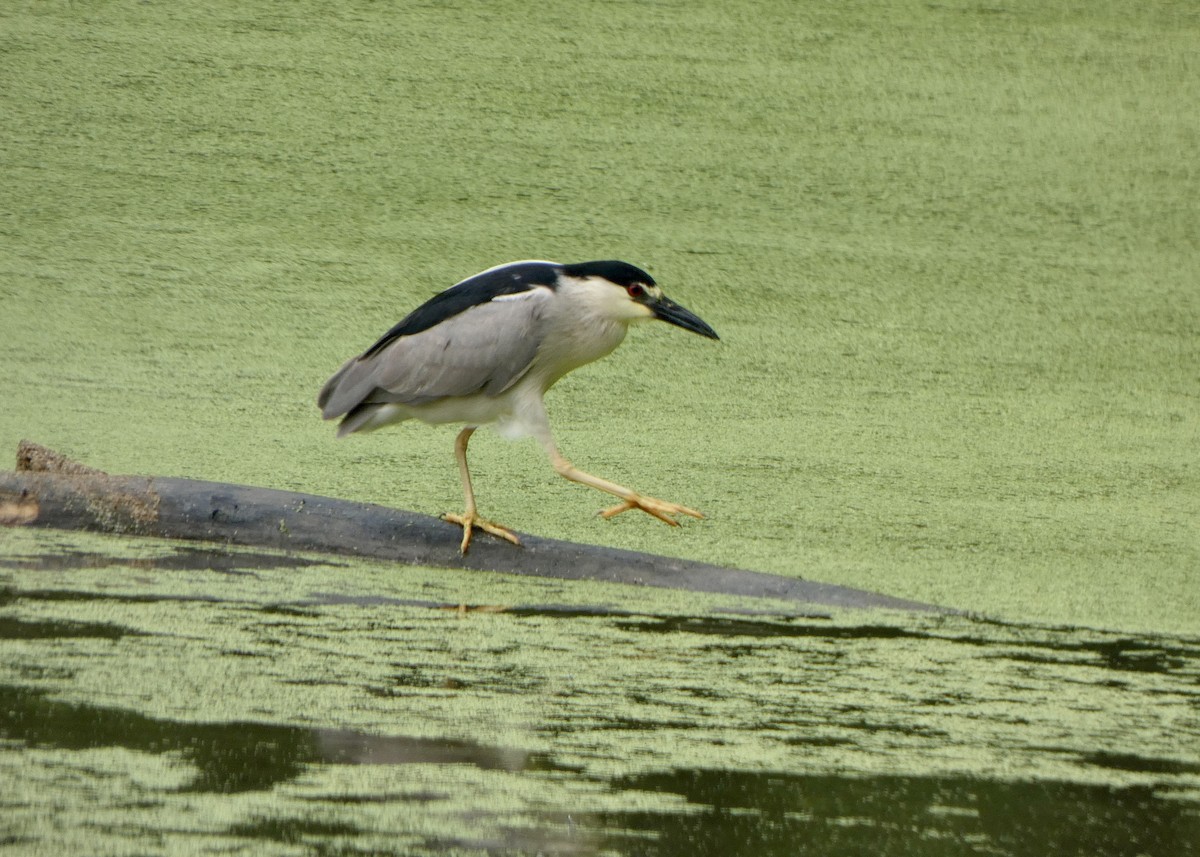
<point x="952" y="253"/>
<point x="174" y="698"/>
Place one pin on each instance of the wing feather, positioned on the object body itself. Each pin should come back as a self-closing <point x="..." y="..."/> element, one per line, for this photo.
<point x="485" y="348"/>
<point x="513" y="278"/>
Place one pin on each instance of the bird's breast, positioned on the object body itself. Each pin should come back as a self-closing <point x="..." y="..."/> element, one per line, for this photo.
<point x="569" y="345"/>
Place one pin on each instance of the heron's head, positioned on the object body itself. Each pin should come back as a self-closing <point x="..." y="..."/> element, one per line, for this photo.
<point x="626" y="293"/>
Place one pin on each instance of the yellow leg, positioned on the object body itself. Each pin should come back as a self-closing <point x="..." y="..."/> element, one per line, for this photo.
<point x="661" y="509"/>
<point x="470" y="519"/>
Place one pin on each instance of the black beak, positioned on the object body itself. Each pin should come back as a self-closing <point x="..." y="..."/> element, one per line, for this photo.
<point x="672" y="313"/>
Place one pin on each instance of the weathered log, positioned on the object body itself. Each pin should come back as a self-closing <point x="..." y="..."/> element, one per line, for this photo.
<point x="49" y="490"/>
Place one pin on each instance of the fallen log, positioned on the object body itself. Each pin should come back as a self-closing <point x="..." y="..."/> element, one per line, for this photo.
<point x="50" y="490"/>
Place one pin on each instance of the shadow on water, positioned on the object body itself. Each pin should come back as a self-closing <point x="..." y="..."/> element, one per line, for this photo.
<point x="12" y="628"/>
<point x="773" y="814"/>
<point x="1120" y="654"/>
<point x="239" y="756"/>
<point x="181" y="558"/>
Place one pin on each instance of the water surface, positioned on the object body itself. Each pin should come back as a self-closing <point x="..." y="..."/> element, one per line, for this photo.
<point x="161" y="697"/>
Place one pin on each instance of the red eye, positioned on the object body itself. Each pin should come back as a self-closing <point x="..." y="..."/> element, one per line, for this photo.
<point x="636" y="290"/>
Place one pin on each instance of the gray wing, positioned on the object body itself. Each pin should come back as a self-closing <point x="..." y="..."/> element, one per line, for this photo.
<point x="486" y="348"/>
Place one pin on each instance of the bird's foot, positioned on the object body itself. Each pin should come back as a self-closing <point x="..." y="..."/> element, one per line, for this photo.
<point x="470" y="521"/>
<point x="660" y="509"/>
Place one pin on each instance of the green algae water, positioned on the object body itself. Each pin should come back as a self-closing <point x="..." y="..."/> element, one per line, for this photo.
<point x="951" y="251"/>
<point x="169" y="698"/>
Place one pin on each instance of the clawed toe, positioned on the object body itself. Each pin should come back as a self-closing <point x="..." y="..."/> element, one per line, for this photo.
<point x="661" y="509"/>
<point x="470" y="521"/>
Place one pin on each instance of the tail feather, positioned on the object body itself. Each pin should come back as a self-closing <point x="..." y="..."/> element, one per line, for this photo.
<point x="353" y="394"/>
<point x="369" y="416"/>
<point x="347" y="389"/>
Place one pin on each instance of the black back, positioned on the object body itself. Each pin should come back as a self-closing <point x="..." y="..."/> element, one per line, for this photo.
<point x="473" y="291"/>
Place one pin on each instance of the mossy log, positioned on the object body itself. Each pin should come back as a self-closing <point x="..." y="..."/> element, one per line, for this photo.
<point x="49" y="490"/>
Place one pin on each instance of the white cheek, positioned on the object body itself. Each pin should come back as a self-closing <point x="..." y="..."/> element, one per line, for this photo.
<point x="605" y="300"/>
<point x="616" y="304"/>
<point x="638" y="312"/>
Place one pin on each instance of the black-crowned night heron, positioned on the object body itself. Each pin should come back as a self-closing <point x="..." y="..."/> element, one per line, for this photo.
<point x="486" y="351"/>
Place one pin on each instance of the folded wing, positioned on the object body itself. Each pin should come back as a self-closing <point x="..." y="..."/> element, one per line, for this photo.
<point x="485" y="348"/>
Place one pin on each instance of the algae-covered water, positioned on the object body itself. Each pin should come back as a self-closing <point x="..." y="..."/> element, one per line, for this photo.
<point x="952" y="252"/>
<point x="162" y="698"/>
